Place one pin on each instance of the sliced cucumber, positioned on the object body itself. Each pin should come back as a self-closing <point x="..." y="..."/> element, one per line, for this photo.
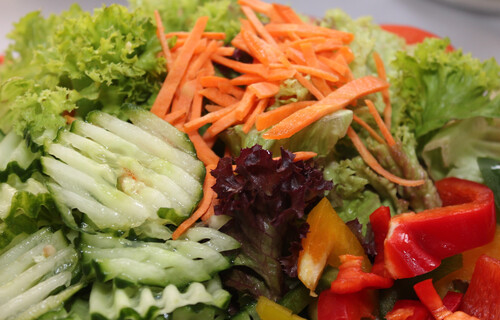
<point x="13" y="148"/>
<point x="122" y="176"/>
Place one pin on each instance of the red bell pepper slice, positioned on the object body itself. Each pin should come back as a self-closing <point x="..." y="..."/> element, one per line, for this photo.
<point x="416" y="243"/>
<point x="351" y="306"/>
<point x="482" y="298"/>
<point x="412" y="35"/>
<point x="351" y="277"/>
<point x="408" y="310"/>
<point x="379" y="221"/>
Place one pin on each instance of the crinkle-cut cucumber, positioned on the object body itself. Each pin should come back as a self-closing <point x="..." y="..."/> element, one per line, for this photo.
<point x="33" y="269"/>
<point x="109" y="302"/>
<point x="177" y="262"/>
<point x="160" y="128"/>
<point x="122" y="176"/>
<point x="13" y="149"/>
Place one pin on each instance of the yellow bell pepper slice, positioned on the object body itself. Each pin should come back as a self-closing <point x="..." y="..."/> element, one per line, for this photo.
<point x="328" y="238"/>
<point x="270" y="310"/>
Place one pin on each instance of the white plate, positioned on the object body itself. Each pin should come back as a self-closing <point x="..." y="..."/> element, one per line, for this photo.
<point x="485" y="6"/>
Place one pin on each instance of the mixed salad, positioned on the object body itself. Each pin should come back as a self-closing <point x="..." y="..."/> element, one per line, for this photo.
<point x="235" y="160"/>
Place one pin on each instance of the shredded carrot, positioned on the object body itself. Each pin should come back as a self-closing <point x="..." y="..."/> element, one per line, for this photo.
<point x="225" y="51"/>
<point x="336" y="100"/>
<point x="196" y="107"/>
<point x="211" y="209"/>
<point x="206" y="201"/>
<point x="206" y="35"/>
<point x="312" y="61"/>
<point x="175" y="74"/>
<point x="173" y="116"/>
<point x="281" y="74"/>
<point x="296" y="56"/>
<point x="340" y="68"/>
<point x="385" y="132"/>
<point x="309" y="86"/>
<point x="239" y="43"/>
<point x="203" y="151"/>
<point x="221" y="124"/>
<point x="270" y="118"/>
<point x="245" y="105"/>
<point x="202" y="59"/>
<point x="69" y="118"/>
<point x="252" y="68"/>
<point x="316" y="72"/>
<point x="258" y="48"/>
<point x="331" y="44"/>
<point x="385" y="93"/>
<point x="372" y="162"/>
<point x="365" y="125"/>
<point x="257" y="5"/>
<point x="306" y="30"/>
<point x="213" y="107"/>
<point x="304" y="155"/>
<point x="264" y="89"/>
<point x="259" y="27"/>
<point x="246" y="79"/>
<point x="220" y="98"/>
<point x="185" y="97"/>
<point x="223" y="84"/>
<point x="197" y="123"/>
<point x="160" y="31"/>
<point x="261" y="106"/>
<point x="287" y="14"/>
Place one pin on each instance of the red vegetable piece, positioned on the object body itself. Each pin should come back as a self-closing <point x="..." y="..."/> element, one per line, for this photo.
<point x="351" y="277"/>
<point x="409" y="310"/>
<point x="452" y="300"/>
<point x="352" y="306"/>
<point x="379" y="221"/>
<point x="482" y="298"/>
<point x="416" y="243"/>
<point x="412" y="35"/>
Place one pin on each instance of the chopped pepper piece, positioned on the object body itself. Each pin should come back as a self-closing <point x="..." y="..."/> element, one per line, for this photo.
<point x="481" y="298"/>
<point x="270" y="310"/>
<point x="351" y="277"/>
<point x="379" y="221"/>
<point x="408" y="310"/>
<point x="351" y="306"/>
<point x="416" y="243"/>
<point x="327" y="239"/>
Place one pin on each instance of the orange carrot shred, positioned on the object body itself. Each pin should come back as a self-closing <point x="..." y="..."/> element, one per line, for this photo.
<point x="287" y="14"/>
<point x="225" y="51"/>
<point x="270" y="118"/>
<point x="221" y="124"/>
<point x="261" y="106"/>
<point x="335" y="101"/>
<point x="309" y="86"/>
<point x="203" y="151"/>
<point x="213" y="107"/>
<point x="385" y="132"/>
<point x="312" y="61"/>
<point x="175" y="74"/>
<point x="259" y="27"/>
<point x="206" y="35"/>
<point x="246" y="79"/>
<point x="173" y="116"/>
<point x="385" y="93"/>
<point x="201" y="60"/>
<point x="257" y="5"/>
<point x="372" y="162"/>
<point x="254" y="68"/>
<point x="220" y="98"/>
<point x="304" y="155"/>
<point x="264" y="89"/>
<point x="368" y="128"/>
<point x="206" y="201"/>
<point x="223" y="84"/>
<point x="245" y="105"/>
<point x="160" y="31"/>
<point x="316" y="72"/>
<point x="197" y="123"/>
<point x="210" y="212"/>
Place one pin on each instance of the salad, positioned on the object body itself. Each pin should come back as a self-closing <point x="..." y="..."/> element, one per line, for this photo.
<point x="236" y="160"/>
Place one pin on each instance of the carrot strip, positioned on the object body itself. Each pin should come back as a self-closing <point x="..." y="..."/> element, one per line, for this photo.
<point x="197" y="104"/>
<point x="225" y="51"/>
<point x="347" y="53"/>
<point x="203" y="151"/>
<point x="202" y="59"/>
<point x="206" y="35"/>
<point x="385" y="132"/>
<point x="264" y="89"/>
<point x="197" y="123"/>
<point x="338" y="67"/>
<point x="287" y="14"/>
<point x="261" y="106"/>
<point x="304" y="155"/>
<point x="239" y="43"/>
<point x="257" y="5"/>
<point x="281" y="74"/>
<point x="221" y="124"/>
<point x="259" y="27"/>
<point x="330" y="45"/>
<point x="385" y="93"/>
<point x="312" y="61"/>
<point x="296" y="56"/>
<point x="215" y="95"/>
<point x="208" y="195"/>
<point x="213" y="107"/>
<point x="365" y="125"/>
<point x="210" y="212"/>
<point x="254" y="68"/>
<point x="306" y="30"/>
<point x="245" y="105"/>
<point x="372" y="162"/>
<point x="160" y="31"/>
<point x="259" y="49"/>
<point x="316" y="72"/>
<point x="270" y="118"/>
<point x="185" y="97"/>
<point x="175" y="74"/>
<point x="223" y="84"/>
<point x="173" y="116"/>
<point x="336" y="100"/>
<point x="69" y="118"/>
<point x="246" y="79"/>
<point x="309" y="86"/>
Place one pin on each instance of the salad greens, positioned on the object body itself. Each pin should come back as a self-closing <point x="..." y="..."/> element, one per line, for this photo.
<point x="92" y="184"/>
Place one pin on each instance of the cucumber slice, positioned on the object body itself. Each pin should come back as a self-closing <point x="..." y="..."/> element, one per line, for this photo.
<point x="13" y="148"/>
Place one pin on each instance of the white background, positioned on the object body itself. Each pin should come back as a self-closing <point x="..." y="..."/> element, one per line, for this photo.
<point x="477" y="32"/>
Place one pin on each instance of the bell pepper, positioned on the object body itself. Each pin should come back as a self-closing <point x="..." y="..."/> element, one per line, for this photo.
<point x="270" y="310"/>
<point x="327" y="239"/>
<point x="482" y="298"/>
<point x="431" y="299"/>
<point x="415" y="310"/>
<point x="416" y="243"/>
<point x="351" y="278"/>
<point x="351" y="306"/>
<point x="379" y="221"/>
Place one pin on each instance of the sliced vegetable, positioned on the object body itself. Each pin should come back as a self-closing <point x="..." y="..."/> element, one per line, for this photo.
<point x="270" y="310"/>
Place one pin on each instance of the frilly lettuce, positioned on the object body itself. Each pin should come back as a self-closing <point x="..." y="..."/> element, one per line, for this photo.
<point x="434" y="86"/>
<point x="455" y="149"/>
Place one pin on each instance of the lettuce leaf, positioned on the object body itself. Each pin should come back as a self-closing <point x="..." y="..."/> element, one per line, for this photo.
<point x="455" y="149"/>
<point x="77" y="62"/>
<point x="434" y="86"/>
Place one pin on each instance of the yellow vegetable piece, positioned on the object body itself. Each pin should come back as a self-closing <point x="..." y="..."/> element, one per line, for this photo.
<point x="328" y="238"/>
<point x="270" y="310"/>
